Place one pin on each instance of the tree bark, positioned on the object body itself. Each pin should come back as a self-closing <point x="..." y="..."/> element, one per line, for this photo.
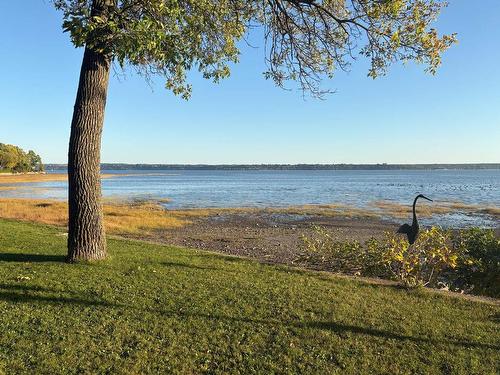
<point x="86" y="236"/>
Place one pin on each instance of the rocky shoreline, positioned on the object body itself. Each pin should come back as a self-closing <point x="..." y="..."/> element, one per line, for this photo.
<point x="267" y="237"/>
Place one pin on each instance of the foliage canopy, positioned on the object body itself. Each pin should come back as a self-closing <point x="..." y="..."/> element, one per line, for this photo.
<point x="13" y="158"/>
<point x="306" y="40"/>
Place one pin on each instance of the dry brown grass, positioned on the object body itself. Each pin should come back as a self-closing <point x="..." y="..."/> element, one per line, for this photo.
<point x="493" y="211"/>
<point x="118" y="218"/>
<point x="488" y="210"/>
<point x="27" y="178"/>
<point x="139" y="217"/>
<point x="425" y="210"/>
<point x="398" y="210"/>
<point x="40" y="211"/>
<point x="328" y="210"/>
<point x="134" y="217"/>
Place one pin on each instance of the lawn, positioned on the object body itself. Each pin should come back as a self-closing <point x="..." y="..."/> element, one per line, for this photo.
<point x="160" y="309"/>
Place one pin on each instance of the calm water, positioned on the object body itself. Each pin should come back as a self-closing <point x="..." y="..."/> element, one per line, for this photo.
<point x="284" y="188"/>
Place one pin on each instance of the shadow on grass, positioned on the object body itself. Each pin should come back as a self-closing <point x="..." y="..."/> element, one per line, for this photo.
<point x="31" y="294"/>
<point x="340" y="328"/>
<point x="28" y="298"/>
<point x="28" y="288"/>
<point x="345" y="328"/>
<point x="31" y="258"/>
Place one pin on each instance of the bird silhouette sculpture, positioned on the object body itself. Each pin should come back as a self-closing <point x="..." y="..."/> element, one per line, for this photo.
<point x="411" y="231"/>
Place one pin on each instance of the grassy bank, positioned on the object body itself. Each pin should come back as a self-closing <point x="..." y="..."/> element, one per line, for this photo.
<point x="120" y="218"/>
<point x="157" y="309"/>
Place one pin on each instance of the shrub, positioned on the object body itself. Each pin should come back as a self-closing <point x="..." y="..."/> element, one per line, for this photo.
<point x="324" y="250"/>
<point x="478" y="270"/>
<point x="422" y="263"/>
<point x="466" y="261"/>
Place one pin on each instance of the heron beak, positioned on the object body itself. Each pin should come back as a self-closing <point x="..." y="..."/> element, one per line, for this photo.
<point x="427" y="198"/>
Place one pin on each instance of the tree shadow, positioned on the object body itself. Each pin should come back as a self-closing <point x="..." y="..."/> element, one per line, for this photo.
<point x="27" y="298"/>
<point x="28" y="288"/>
<point x="31" y="294"/>
<point x="31" y="258"/>
<point x="340" y="328"/>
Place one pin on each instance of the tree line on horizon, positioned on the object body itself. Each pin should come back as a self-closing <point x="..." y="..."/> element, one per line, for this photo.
<point x="15" y="159"/>
<point x="281" y="167"/>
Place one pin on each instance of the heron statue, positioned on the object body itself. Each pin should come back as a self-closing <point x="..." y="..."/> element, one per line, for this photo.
<point x="411" y="231"/>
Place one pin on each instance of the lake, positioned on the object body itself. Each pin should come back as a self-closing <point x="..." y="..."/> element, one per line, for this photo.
<point x="263" y="188"/>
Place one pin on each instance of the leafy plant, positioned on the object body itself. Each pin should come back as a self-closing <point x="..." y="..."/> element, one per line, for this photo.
<point x="326" y="251"/>
<point x="423" y="262"/>
<point x="465" y="261"/>
<point x="479" y="267"/>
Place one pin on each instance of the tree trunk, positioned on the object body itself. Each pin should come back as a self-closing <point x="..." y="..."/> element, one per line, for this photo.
<point x="86" y="237"/>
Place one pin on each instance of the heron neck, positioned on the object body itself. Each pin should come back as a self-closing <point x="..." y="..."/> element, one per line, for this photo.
<point x="414" y="211"/>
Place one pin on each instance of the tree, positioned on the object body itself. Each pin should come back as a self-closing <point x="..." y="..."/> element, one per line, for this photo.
<point x="306" y="41"/>
<point x="13" y="158"/>
<point x="35" y="161"/>
<point x="8" y="157"/>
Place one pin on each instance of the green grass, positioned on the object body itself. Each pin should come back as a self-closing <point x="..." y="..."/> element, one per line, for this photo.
<point x="158" y="309"/>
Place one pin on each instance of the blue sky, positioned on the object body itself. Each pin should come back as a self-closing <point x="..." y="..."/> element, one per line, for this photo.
<point x="406" y="117"/>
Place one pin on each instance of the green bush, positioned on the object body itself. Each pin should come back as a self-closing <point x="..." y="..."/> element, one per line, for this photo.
<point x="424" y="262"/>
<point x="323" y="250"/>
<point x="478" y="270"/>
<point x="466" y="261"/>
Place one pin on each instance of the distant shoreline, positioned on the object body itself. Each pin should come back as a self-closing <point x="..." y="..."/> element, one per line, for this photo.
<point x="21" y="173"/>
<point x="7" y="179"/>
<point x="284" y="167"/>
